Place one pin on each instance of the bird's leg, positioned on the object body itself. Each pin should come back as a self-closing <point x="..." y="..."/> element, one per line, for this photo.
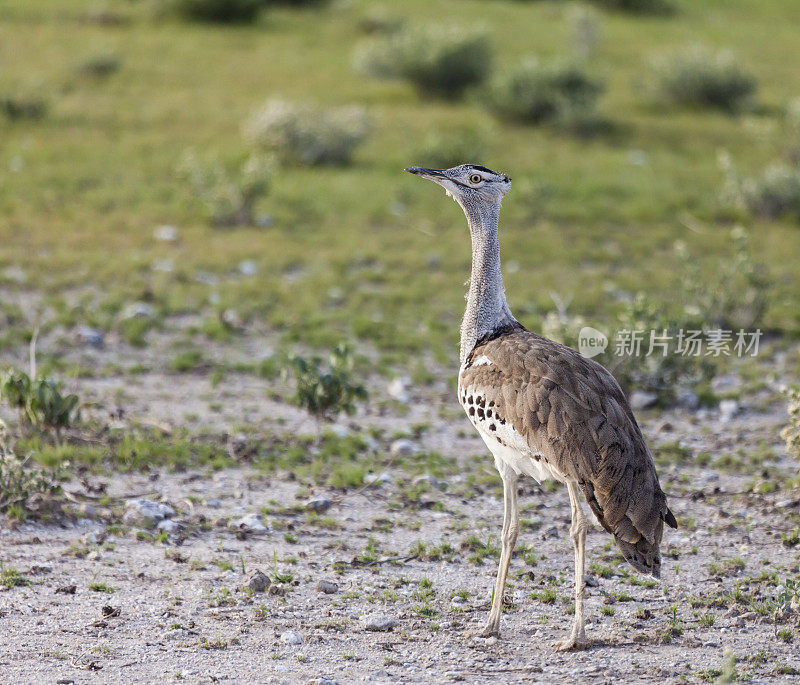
<point x="509" y="539"/>
<point x="577" y="638"/>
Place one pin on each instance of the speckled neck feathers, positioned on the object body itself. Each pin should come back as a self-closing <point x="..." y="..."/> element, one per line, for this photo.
<point x="487" y="308"/>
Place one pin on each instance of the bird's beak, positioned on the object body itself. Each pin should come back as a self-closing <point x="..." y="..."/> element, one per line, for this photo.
<point x="431" y="174"/>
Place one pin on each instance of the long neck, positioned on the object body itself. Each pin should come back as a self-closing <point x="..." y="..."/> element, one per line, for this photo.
<point x="487" y="308"/>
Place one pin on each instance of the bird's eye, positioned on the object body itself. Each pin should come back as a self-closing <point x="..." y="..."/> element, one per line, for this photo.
<point x="475" y="178"/>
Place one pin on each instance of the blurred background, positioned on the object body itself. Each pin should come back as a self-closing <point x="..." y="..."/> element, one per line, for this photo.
<point x="215" y="171"/>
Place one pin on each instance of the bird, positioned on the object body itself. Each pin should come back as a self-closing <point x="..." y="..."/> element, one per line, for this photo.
<point x="546" y="411"/>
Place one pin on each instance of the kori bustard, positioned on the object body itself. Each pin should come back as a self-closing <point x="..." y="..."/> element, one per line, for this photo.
<point x="545" y="411"/>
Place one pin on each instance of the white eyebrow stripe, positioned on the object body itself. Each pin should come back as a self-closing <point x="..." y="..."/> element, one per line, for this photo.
<point x="482" y="360"/>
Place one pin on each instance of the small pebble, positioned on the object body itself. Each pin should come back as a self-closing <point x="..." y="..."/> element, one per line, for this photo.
<point x="327" y="587"/>
<point x="379" y="622"/>
<point x="292" y="637"/>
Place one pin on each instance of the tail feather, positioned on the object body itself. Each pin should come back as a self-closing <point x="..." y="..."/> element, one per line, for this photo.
<point x="642" y="555"/>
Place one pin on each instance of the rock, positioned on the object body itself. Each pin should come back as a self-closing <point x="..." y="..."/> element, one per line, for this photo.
<point x="403" y="448"/>
<point x="591" y="581"/>
<point x="326" y="586"/>
<point x="257" y="581"/>
<point x="686" y="399"/>
<point x="787" y="503"/>
<point x="231" y="318"/>
<point x="206" y="278"/>
<point x="726" y="383"/>
<point x="169" y="526"/>
<point x="146" y="512"/>
<point x="378" y="622"/>
<point x="87" y="510"/>
<point x="67" y="589"/>
<point x="213" y="503"/>
<point x="323" y="681"/>
<point x="551" y="532"/>
<point x="264" y="221"/>
<point x="41" y="569"/>
<point x="93" y="538"/>
<point x="727" y="410"/>
<point x="166" y="265"/>
<point x="292" y="637"/>
<point x="381" y="478"/>
<point x="166" y="234"/>
<point x="94" y="555"/>
<point x="15" y="273"/>
<point x="138" y="310"/>
<point x="91" y="337"/>
<point x="339" y="430"/>
<point x="248" y="267"/>
<point x="432" y="481"/>
<point x="251" y="523"/>
<point x="397" y="390"/>
<point x="319" y="504"/>
<point x="642" y="400"/>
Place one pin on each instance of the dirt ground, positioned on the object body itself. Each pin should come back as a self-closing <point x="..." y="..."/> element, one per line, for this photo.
<point x="111" y="603"/>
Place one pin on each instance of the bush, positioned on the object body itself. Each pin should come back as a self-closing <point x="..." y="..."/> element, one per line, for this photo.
<point x="791" y="433"/>
<point x="773" y="194"/>
<point x="306" y="134"/>
<point x="15" y="108"/>
<point x="23" y="487"/>
<point x="39" y="401"/>
<point x="326" y="390"/>
<point x="638" y="6"/>
<point x="699" y="77"/>
<point x="444" y="149"/>
<point x="729" y="292"/>
<point x="662" y="375"/>
<point x="438" y="61"/>
<point x="223" y="11"/>
<point x="538" y="92"/>
<point x="230" y="192"/>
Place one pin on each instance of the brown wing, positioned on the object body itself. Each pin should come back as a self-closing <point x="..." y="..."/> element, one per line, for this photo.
<point x="573" y="411"/>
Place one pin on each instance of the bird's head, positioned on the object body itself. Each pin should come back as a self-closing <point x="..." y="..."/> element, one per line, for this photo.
<point x="468" y="184"/>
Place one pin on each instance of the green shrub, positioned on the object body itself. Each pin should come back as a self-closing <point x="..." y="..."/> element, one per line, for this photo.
<point x="791" y="433"/>
<point x="699" y="77"/>
<point x="20" y="481"/>
<point x="538" y="92"/>
<point x="16" y="107"/>
<point x="223" y="11"/>
<point x="326" y="390"/>
<point x="638" y="6"/>
<point x="229" y="191"/>
<point x="306" y="134"/>
<point x="453" y="146"/>
<point x="439" y="61"/>
<point x="39" y="401"/>
<point x="661" y="374"/>
<point x="100" y="66"/>
<point x="773" y="194"/>
<point x="728" y="291"/>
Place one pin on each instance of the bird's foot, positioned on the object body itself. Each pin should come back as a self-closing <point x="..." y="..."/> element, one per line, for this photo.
<point x="488" y="631"/>
<point x="575" y="642"/>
